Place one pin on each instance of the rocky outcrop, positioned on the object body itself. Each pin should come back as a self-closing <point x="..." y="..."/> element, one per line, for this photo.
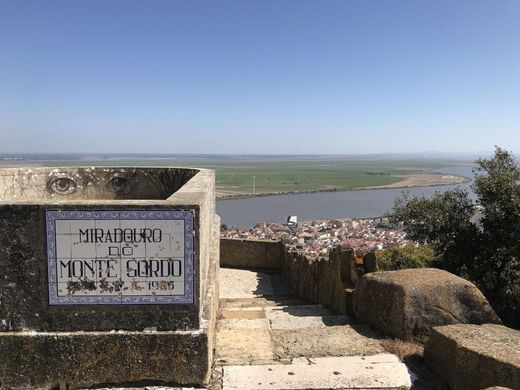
<point x="475" y="357"/>
<point x="407" y="303"/>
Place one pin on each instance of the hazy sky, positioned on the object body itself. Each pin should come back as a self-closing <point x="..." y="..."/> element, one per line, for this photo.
<point x="261" y="76"/>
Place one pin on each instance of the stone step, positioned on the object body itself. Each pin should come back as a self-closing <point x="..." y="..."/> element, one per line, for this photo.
<point x="344" y="340"/>
<point x="144" y="388"/>
<point x="286" y="317"/>
<point x="296" y="310"/>
<point x="279" y="300"/>
<point x="383" y="371"/>
<point x="259" y="335"/>
<point x="302" y="317"/>
<point x="266" y="304"/>
<point x="240" y="284"/>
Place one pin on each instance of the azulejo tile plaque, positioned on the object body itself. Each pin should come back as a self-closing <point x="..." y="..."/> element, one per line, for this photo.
<point x="121" y="257"/>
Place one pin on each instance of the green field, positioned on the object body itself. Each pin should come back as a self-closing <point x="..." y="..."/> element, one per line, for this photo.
<point x="285" y="175"/>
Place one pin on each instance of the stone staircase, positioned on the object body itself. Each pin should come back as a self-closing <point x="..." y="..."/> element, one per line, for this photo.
<point x="269" y="340"/>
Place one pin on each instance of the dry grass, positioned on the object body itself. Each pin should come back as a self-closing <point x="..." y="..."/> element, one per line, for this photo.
<point x="411" y="354"/>
<point x="405" y="350"/>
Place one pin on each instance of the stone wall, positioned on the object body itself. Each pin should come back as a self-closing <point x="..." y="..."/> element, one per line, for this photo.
<point x="328" y="281"/>
<point x="239" y="253"/>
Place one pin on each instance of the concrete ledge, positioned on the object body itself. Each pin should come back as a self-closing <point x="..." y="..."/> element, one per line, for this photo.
<point x="240" y="253"/>
<point x="32" y="360"/>
<point x="475" y="357"/>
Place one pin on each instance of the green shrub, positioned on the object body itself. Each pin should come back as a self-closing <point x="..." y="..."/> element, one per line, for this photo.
<point x="486" y="252"/>
<point x="410" y="256"/>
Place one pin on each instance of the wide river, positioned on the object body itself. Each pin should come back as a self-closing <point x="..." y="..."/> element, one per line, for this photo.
<point x="325" y="205"/>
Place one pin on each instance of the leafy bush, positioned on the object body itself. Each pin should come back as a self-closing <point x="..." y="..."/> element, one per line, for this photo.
<point x="486" y="252"/>
<point x="410" y="256"/>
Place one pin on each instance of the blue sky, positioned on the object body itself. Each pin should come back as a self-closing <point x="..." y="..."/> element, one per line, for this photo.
<point x="259" y="76"/>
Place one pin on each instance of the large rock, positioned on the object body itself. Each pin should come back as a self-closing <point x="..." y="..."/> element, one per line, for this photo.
<point x="407" y="303"/>
<point x="475" y="357"/>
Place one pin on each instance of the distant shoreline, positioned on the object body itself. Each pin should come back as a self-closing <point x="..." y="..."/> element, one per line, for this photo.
<point x="464" y="180"/>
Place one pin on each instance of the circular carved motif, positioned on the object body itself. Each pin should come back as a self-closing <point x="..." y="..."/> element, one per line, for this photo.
<point x="62" y="186"/>
<point x="119" y="185"/>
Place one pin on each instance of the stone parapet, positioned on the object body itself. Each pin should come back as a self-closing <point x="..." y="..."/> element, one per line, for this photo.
<point x="323" y="280"/>
<point x="241" y="253"/>
<point x="50" y="334"/>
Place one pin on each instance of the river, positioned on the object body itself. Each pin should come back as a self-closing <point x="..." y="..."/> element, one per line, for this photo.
<point x="325" y="205"/>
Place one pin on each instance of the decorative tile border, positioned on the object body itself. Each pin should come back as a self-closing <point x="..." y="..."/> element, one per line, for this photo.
<point x="161" y="214"/>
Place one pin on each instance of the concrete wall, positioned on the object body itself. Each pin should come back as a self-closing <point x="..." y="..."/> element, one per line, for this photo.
<point x="202" y="188"/>
<point x="68" y="338"/>
<point x="24" y="287"/>
<point x="239" y="253"/>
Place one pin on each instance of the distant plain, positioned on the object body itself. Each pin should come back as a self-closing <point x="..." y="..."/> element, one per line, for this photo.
<point x="236" y="176"/>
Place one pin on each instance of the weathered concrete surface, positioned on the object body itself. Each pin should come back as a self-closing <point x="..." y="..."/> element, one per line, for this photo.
<point x="243" y="332"/>
<point x="209" y="308"/>
<point x="43" y="345"/>
<point x="475" y="357"/>
<point x="253" y="329"/>
<point x="24" y="288"/>
<point x="269" y="331"/>
<point x="261" y="254"/>
<point x="44" y="184"/>
<point x="359" y="372"/>
<point x="407" y="303"/>
<point x="250" y="302"/>
<point x="237" y="283"/>
<point x="243" y="341"/>
<point x="331" y="341"/>
<point x="148" y="388"/>
<point x="498" y="388"/>
<point x="301" y="317"/>
<point x="38" y="360"/>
